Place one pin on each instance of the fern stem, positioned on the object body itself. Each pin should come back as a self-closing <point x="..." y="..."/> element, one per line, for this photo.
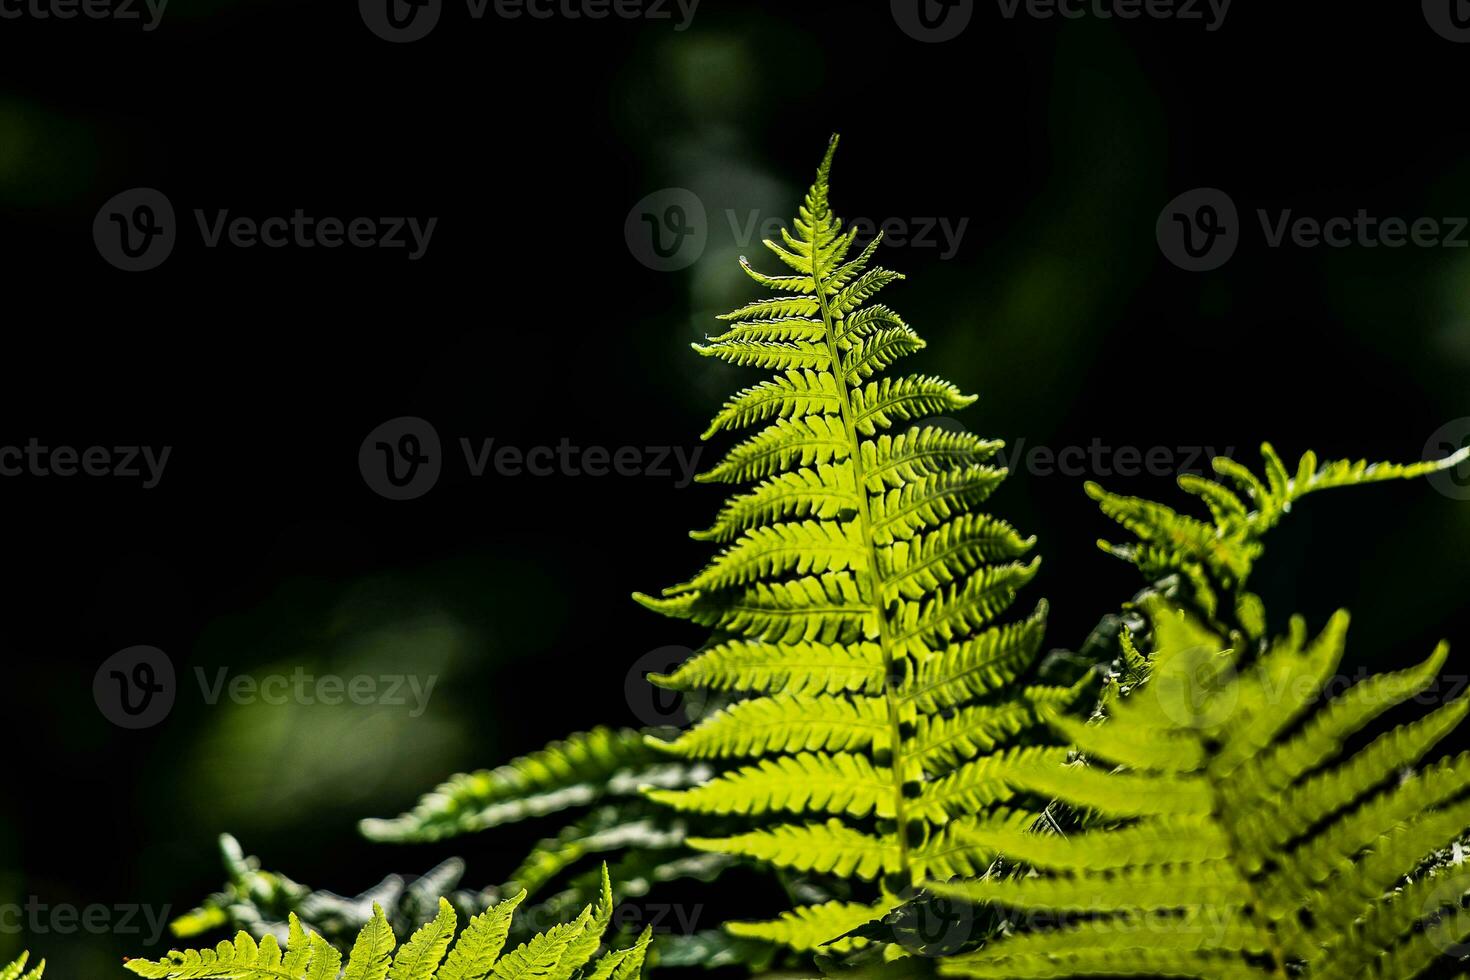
<point x="1277" y="951"/>
<point x="891" y="692"/>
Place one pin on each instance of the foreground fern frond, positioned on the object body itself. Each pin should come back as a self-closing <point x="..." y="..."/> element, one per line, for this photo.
<point x="855" y="605"/>
<point x="563" y="952"/>
<point x="1243" y="842"/>
<point x="1215" y="558"/>
<point x="601" y="775"/>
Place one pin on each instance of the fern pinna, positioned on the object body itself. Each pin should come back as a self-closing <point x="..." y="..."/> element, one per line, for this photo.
<point x="1236" y="838"/>
<point x="16" y="969"/>
<point x="563" y="952"/>
<point x="855" y="604"/>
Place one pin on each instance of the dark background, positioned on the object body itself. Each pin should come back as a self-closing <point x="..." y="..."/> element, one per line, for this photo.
<point x="530" y="320"/>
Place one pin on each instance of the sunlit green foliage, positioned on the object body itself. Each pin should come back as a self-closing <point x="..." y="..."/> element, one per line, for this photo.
<point x="1239" y="836"/>
<point x="563" y="952"/>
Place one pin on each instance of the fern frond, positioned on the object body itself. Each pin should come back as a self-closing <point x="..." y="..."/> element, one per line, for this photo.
<point x="560" y="953"/>
<point x="1216" y="557"/>
<point x="1257" y="847"/>
<point x="857" y="601"/>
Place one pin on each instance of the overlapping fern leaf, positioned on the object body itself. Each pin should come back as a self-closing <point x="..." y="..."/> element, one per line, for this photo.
<point x="856" y="603"/>
<point x="432" y="953"/>
<point x="1238" y="837"/>
<point x="598" y="778"/>
<point x="1214" y="558"/>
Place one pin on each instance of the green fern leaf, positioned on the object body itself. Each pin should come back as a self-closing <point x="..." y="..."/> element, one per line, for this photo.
<point x="16" y="969"/>
<point x="1235" y="832"/>
<point x="856" y="601"/>
<point x="560" y="953"/>
<point x="574" y="772"/>
<point x="814" y="927"/>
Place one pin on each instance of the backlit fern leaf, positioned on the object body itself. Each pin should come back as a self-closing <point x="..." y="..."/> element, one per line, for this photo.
<point x="16" y="969"/>
<point x="573" y="772"/>
<point x="856" y="603"/>
<point x="1233" y="837"/>
<point x="563" y="952"/>
<point x="1214" y="558"/>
